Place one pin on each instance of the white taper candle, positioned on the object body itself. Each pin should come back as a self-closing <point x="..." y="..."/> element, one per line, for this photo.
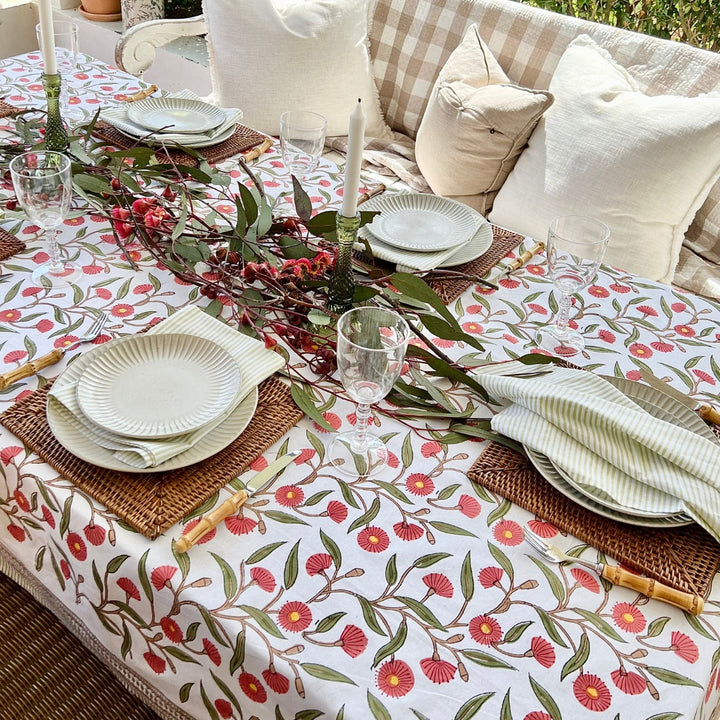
<point x="356" y="142"/>
<point x="47" y="37"/>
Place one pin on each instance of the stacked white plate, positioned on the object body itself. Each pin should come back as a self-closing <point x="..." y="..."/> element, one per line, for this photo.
<point x="181" y="119"/>
<point x="659" y="509"/>
<point x="170" y="394"/>
<point x="423" y="232"/>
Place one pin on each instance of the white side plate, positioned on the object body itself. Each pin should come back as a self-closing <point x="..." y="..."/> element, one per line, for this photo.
<point x="158" y="386"/>
<point x="175" y="115"/>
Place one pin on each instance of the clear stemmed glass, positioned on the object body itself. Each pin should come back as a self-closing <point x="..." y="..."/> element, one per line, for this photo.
<point x="371" y="344"/>
<point x="43" y="185"/>
<point x="302" y="138"/>
<point x="66" y="35"/>
<point x="576" y="246"/>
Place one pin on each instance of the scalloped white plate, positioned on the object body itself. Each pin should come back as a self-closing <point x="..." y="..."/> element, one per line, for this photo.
<point x="158" y="386"/>
<point x="73" y="437"/>
<point x="423" y="223"/>
<point x="175" y="115"/>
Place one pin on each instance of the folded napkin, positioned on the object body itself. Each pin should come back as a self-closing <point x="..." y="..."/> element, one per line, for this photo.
<point x="118" y="117"/>
<point x="410" y="259"/>
<point x="604" y="441"/>
<point x="254" y="361"/>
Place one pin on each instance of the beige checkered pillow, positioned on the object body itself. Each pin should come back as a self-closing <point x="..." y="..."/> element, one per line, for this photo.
<point x="410" y="40"/>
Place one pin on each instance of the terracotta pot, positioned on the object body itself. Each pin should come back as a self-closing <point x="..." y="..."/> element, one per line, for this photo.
<point x="101" y="7"/>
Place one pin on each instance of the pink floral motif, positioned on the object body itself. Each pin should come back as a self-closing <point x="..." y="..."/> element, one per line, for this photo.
<point x="318" y="563"/>
<point x="212" y="652"/>
<point x="490" y="576"/>
<point x="408" y="531"/>
<point x="628" y="682"/>
<point x="485" y="630"/>
<point x="543" y="651"/>
<point x="275" y="681"/>
<point x="395" y="678"/>
<point x="373" y="539"/>
<point x="156" y="663"/>
<point x="129" y="587"/>
<point x="508" y="532"/>
<point x="439" y="584"/>
<point x="240" y="525"/>
<point x="264" y="578"/>
<point x="684" y="647"/>
<point x="469" y="506"/>
<point x="353" y="640"/>
<point x="438" y="671"/>
<point x="336" y="511"/>
<point x="420" y="484"/>
<point x="294" y="616"/>
<point x="628" y="617"/>
<point x="161" y="576"/>
<point x="591" y="692"/>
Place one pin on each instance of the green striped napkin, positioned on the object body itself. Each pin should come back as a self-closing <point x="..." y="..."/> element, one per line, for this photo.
<point x="603" y="440"/>
<point x="255" y="362"/>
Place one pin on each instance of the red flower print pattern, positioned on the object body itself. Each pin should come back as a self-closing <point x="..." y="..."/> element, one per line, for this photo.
<point x="430" y="449"/>
<point x="542" y="651"/>
<point x="22" y="501"/>
<point x="640" y="350"/>
<point x="373" y="539"/>
<point x="318" y="563"/>
<point x="294" y="616"/>
<point x="161" y="576"/>
<point x="353" y="640"/>
<point x="212" y="652"/>
<point x="408" y="531"/>
<point x="591" y="692"/>
<point x="156" y="663"/>
<point x="438" y="671"/>
<point x="485" y="630"/>
<point x="224" y="708"/>
<point x="684" y="647"/>
<point x="77" y="546"/>
<point x="542" y="528"/>
<point x="95" y="534"/>
<point x="469" y="506"/>
<point x="629" y="682"/>
<point x="275" y="681"/>
<point x="395" y="678"/>
<point x="508" y="532"/>
<point x="252" y="687"/>
<point x="537" y="715"/>
<point x="129" y="588"/>
<point x="171" y="630"/>
<point x="420" y="484"/>
<point x="240" y="525"/>
<point x="8" y="453"/>
<point x="439" y="584"/>
<point x="336" y="511"/>
<point x="264" y="578"/>
<point x="205" y="538"/>
<point x="585" y="579"/>
<point x="628" y="617"/>
<point x="289" y="496"/>
<point x="490" y="576"/>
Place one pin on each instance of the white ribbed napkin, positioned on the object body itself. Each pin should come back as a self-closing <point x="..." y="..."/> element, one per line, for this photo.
<point x="118" y="116"/>
<point x="603" y="440"/>
<point x="255" y="362"/>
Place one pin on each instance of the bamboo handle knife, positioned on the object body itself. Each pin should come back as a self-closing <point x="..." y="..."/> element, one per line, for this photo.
<point x="30" y="368"/>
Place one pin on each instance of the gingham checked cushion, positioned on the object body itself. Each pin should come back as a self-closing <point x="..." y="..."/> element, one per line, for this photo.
<point x="410" y="40"/>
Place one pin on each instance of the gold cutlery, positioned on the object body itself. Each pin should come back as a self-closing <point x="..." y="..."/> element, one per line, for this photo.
<point x="233" y="504"/>
<point x="690" y="602"/>
<point x="706" y="411"/>
<point x="34" y="366"/>
<point x="521" y="260"/>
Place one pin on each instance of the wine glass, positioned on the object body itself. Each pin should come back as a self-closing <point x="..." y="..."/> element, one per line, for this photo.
<point x="371" y="344"/>
<point x="43" y="185"/>
<point x="576" y="246"/>
<point x="302" y="138"/>
<point x="66" y="35"/>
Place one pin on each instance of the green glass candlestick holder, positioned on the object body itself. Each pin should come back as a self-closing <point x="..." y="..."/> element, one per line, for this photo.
<point x="56" y="137"/>
<point x="341" y="287"/>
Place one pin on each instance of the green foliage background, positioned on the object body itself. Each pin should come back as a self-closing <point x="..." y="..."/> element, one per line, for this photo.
<point x="693" y="21"/>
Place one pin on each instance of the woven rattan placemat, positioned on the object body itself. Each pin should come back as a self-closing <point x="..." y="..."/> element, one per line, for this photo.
<point x="243" y="139"/>
<point x="686" y="558"/>
<point x="9" y="245"/>
<point x="450" y="289"/>
<point x="153" y="502"/>
<point x="47" y="673"/>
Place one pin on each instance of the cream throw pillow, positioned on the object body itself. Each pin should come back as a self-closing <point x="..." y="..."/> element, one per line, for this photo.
<point x="641" y="164"/>
<point x="269" y="56"/>
<point x="475" y="125"/>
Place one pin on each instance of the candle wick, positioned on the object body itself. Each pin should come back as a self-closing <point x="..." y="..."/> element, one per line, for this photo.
<point x="359" y="100"/>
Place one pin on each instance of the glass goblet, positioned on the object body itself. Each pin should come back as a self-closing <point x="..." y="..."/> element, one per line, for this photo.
<point x="43" y="185"/>
<point x="575" y="248"/>
<point x="302" y="138"/>
<point x="371" y="344"/>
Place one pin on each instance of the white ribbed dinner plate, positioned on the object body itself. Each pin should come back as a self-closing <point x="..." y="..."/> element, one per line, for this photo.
<point x="72" y="436"/>
<point x="158" y="386"/>
<point x="175" y="115"/>
<point x="423" y="223"/>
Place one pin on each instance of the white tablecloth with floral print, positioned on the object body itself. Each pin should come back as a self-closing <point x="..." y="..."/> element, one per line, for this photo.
<point x="413" y="596"/>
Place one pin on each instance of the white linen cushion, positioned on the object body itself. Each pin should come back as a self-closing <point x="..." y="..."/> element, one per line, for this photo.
<point x="475" y="125"/>
<point x="269" y="56"/>
<point x="642" y="164"/>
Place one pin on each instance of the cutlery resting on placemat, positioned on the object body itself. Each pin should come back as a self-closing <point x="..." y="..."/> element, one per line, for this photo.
<point x="691" y="602"/>
<point x="52" y="357"/>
